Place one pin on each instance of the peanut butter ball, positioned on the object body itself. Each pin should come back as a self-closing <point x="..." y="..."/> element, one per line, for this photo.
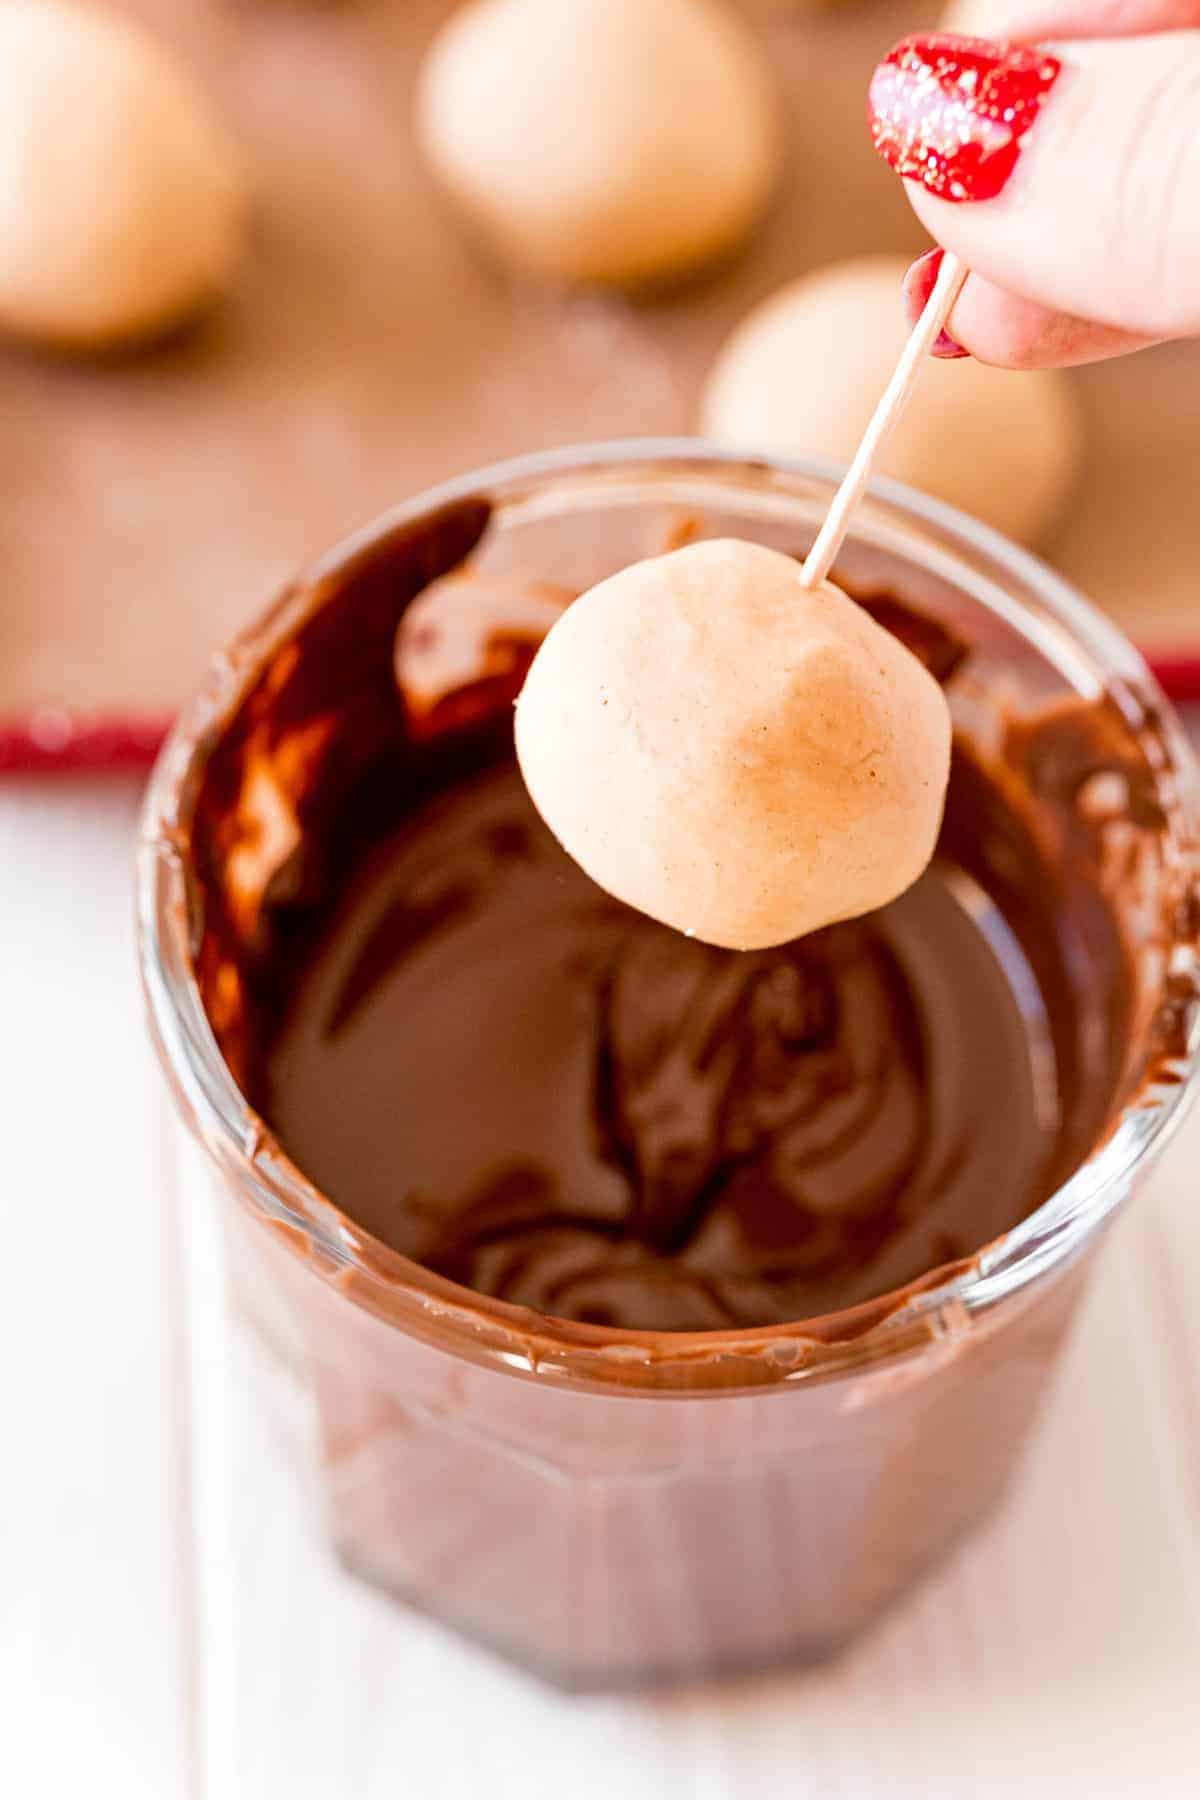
<point x="735" y="754"/>
<point x="802" y="373"/>
<point x="610" y="142"/>
<point x="122" y="200"/>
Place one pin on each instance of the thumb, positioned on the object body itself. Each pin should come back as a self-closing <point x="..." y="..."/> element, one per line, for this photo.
<point x="1069" y="174"/>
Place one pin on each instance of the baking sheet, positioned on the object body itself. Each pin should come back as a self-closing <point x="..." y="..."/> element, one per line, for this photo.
<point x="150" y="505"/>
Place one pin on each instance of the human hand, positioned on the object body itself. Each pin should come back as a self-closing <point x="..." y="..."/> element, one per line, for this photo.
<point x="1066" y="176"/>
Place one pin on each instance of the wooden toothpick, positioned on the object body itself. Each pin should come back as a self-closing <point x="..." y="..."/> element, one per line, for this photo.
<point x="946" y="290"/>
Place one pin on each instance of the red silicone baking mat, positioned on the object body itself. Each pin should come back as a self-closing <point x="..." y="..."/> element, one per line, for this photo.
<point x="150" y="505"/>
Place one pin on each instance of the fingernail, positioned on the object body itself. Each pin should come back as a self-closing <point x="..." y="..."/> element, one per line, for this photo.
<point x="916" y="289"/>
<point x="951" y="112"/>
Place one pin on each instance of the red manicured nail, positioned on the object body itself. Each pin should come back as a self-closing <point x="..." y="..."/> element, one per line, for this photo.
<point x="916" y="289"/>
<point x="951" y="112"/>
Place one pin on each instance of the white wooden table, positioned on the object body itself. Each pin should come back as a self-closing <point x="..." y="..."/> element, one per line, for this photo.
<point x="170" y="1627"/>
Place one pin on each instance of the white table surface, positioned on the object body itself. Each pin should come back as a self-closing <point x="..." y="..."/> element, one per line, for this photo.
<point x="169" y="1625"/>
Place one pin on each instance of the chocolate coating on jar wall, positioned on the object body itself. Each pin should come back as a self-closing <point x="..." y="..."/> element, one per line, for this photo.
<point x="501" y="1072"/>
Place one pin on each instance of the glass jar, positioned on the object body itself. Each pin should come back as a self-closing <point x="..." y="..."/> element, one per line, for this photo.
<point x="610" y="1506"/>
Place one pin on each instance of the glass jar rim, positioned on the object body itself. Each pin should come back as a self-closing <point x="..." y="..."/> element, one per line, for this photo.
<point x="494" y="1331"/>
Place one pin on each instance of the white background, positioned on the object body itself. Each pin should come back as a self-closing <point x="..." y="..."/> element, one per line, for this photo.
<point x="170" y="1628"/>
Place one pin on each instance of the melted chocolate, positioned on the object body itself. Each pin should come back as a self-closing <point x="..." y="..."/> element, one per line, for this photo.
<point x="508" y="1076"/>
<point x="514" y="1079"/>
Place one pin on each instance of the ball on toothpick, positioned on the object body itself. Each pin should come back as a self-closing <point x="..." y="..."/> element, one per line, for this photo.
<point x="731" y="752"/>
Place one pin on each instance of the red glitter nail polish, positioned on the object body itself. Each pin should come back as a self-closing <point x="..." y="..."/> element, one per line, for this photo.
<point x="916" y="289"/>
<point x="950" y="112"/>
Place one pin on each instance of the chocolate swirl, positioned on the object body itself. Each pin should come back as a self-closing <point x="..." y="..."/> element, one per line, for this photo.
<point x="547" y="1097"/>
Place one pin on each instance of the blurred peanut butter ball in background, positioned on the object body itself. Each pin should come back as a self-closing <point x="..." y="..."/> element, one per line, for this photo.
<point x="608" y="142"/>
<point x="803" y="372"/>
<point x="122" y="200"/>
